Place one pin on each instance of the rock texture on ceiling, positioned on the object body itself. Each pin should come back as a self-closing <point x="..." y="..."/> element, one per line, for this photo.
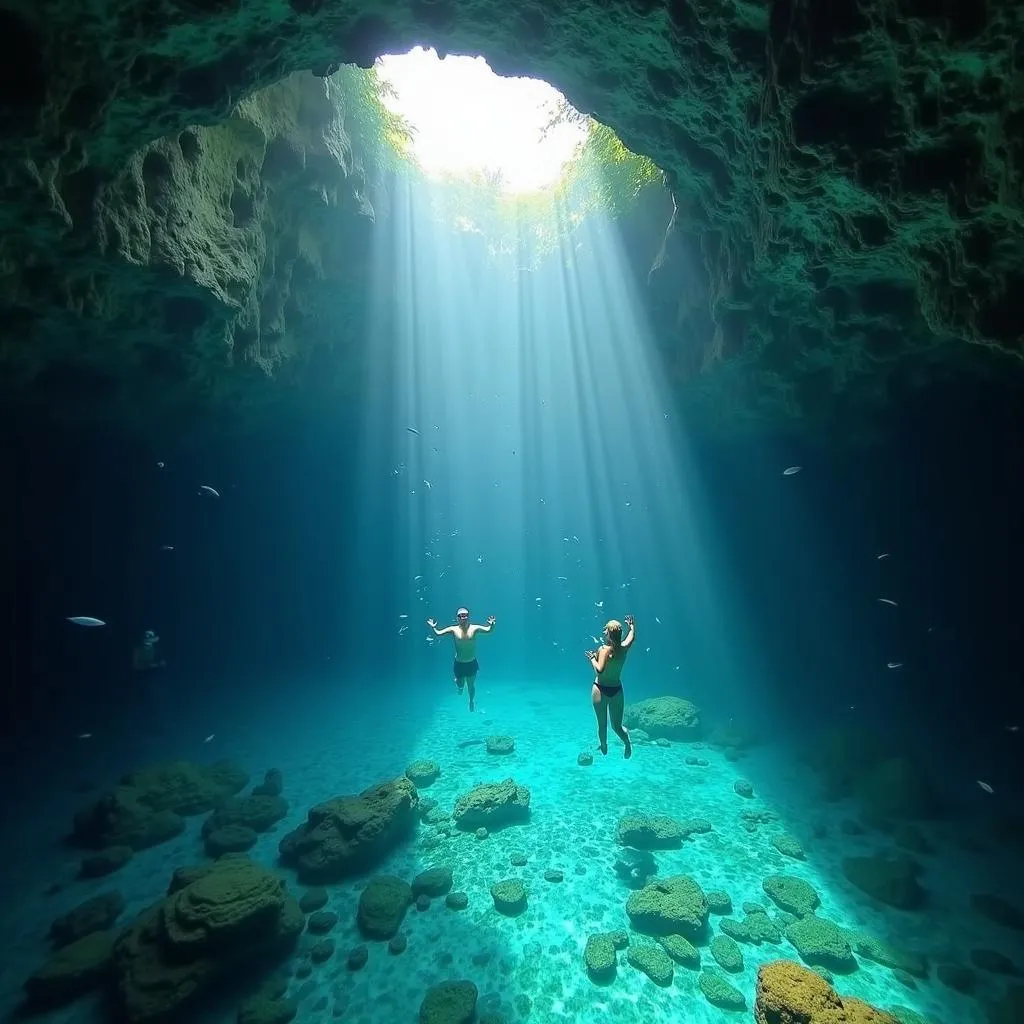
<point x="846" y="176"/>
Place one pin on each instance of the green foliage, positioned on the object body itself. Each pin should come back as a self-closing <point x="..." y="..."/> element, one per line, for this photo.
<point x="602" y="177"/>
<point x="381" y="138"/>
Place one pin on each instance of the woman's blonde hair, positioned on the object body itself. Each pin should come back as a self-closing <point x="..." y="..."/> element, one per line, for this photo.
<point x="614" y="630"/>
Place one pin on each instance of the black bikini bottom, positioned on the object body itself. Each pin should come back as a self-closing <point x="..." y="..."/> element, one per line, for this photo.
<point x="609" y="691"/>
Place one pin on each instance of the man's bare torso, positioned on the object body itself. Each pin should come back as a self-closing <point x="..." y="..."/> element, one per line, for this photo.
<point x="465" y="642"/>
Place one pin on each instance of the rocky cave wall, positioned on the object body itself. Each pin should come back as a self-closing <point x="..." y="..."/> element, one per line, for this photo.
<point x="846" y="176"/>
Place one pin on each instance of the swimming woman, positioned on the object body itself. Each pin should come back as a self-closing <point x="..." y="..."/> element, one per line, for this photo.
<point x="608" y="662"/>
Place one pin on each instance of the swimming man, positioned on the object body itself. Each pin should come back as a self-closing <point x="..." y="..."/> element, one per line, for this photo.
<point x="464" y="634"/>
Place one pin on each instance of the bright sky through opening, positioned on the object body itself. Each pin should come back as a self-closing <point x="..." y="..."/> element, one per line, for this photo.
<point x="469" y="120"/>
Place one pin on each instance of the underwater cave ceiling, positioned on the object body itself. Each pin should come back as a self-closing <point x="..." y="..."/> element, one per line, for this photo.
<point x="179" y="205"/>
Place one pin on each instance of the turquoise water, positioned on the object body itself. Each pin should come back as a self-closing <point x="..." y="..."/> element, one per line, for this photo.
<point x="528" y="967"/>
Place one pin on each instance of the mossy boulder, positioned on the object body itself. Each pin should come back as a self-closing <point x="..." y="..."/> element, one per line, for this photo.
<point x="671" y="906"/>
<point x="727" y="954"/>
<point x="789" y="992"/>
<point x="821" y="943"/>
<point x="890" y="880"/>
<point x="257" y="813"/>
<point x="599" y="956"/>
<point x="94" y="915"/>
<point x="492" y="805"/>
<point x="791" y="894"/>
<point x="351" y="834"/>
<point x="881" y="952"/>
<point x="500" y="745"/>
<point x="229" y="839"/>
<point x="510" y="897"/>
<point x="671" y="718"/>
<point x="653" y="961"/>
<point x="719" y="902"/>
<point x="73" y="970"/>
<point x="451" y="1002"/>
<point x="649" y="832"/>
<point x="216" y="919"/>
<point x="719" y="992"/>
<point x="681" y="950"/>
<point x="382" y="907"/>
<point x="434" y="882"/>
<point x="423" y="773"/>
<point x="105" y="862"/>
<point x="788" y="846"/>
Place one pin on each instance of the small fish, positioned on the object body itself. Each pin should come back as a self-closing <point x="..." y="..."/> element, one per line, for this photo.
<point x="538" y="599"/>
<point x="403" y="616"/>
<point x="792" y="470"/>
<point x="85" y="620"/>
<point x="159" y="465"/>
<point x="599" y="604"/>
<point x="203" y="489"/>
<point x="894" y="664"/>
<point x="402" y="629"/>
<point x="886" y="600"/>
<point x="210" y="737"/>
<point x="427" y="482"/>
<point x="415" y="578"/>
<point x="564" y="579"/>
<point x="657" y="620"/>
<point x="480" y="559"/>
<point x="85" y="735"/>
<point x="1012" y="728"/>
<point x="413" y="430"/>
<point x="166" y="547"/>
<point x="677" y="668"/>
<point x="647" y="650"/>
<point x="985" y="786"/>
<point x="885" y="554"/>
<point x="575" y="538"/>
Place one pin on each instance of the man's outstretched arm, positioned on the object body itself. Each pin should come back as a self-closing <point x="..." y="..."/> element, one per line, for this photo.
<point x="491" y="623"/>
<point x="439" y="632"/>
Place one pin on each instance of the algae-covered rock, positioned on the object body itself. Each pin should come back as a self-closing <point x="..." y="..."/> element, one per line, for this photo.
<point x="727" y="954"/>
<point x="882" y="952"/>
<point x="500" y="745"/>
<point x="821" y="943"/>
<point x="791" y="894"/>
<point x="423" y="773"/>
<point x="121" y="818"/>
<point x="671" y="718"/>
<point x="229" y="839"/>
<point x="719" y="902"/>
<point x="510" y="896"/>
<point x="262" y="1009"/>
<point x="350" y="834"/>
<point x="649" y="832"/>
<point x="671" y="906"/>
<point x="788" y="846"/>
<point x="229" y="914"/>
<point x="890" y="880"/>
<point x="382" y="907"/>
<point x="433" y="882"/>
<point x="744" y="788"/>
<point x="681" y="950"/>
<point x="257" y="813"/>
<point x="105" y="862"/>
<point x="94" y="915"/>
<point x="186" y="788"/>
<point x="451" y="1002"/>
<point x="718" y="992"/>
<point x="653" y="961"/>
<point x="272" y="784"/>
<point x="788" y="993"/>
<point x="600" y="958"/>
<point x="492" y="805"/>
<point x="73" y="970"/>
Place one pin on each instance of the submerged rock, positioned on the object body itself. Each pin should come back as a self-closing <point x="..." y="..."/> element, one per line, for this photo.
<point x="73" y="970"/>
<point x="671" y="718"/>
<point x="492" y="805"/>
<point x="786" y="991"/>
<point x="509" y="896"/>
<point x="350" y="834"/>
<point x="382" y="907"/>
<point x="451" y="1002"/>
<point x="671" y="906"/>
<point x="889" y="880"/>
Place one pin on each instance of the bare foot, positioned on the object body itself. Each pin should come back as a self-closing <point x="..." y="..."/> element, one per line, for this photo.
<point x="604" y="748"/>
<point x="628" y="752"/>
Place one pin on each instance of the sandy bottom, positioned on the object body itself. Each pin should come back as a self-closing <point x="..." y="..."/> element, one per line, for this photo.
<point x="529" y="967"/>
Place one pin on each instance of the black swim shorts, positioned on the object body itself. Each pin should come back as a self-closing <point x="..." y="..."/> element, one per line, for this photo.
<point x="465" y="668"/>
